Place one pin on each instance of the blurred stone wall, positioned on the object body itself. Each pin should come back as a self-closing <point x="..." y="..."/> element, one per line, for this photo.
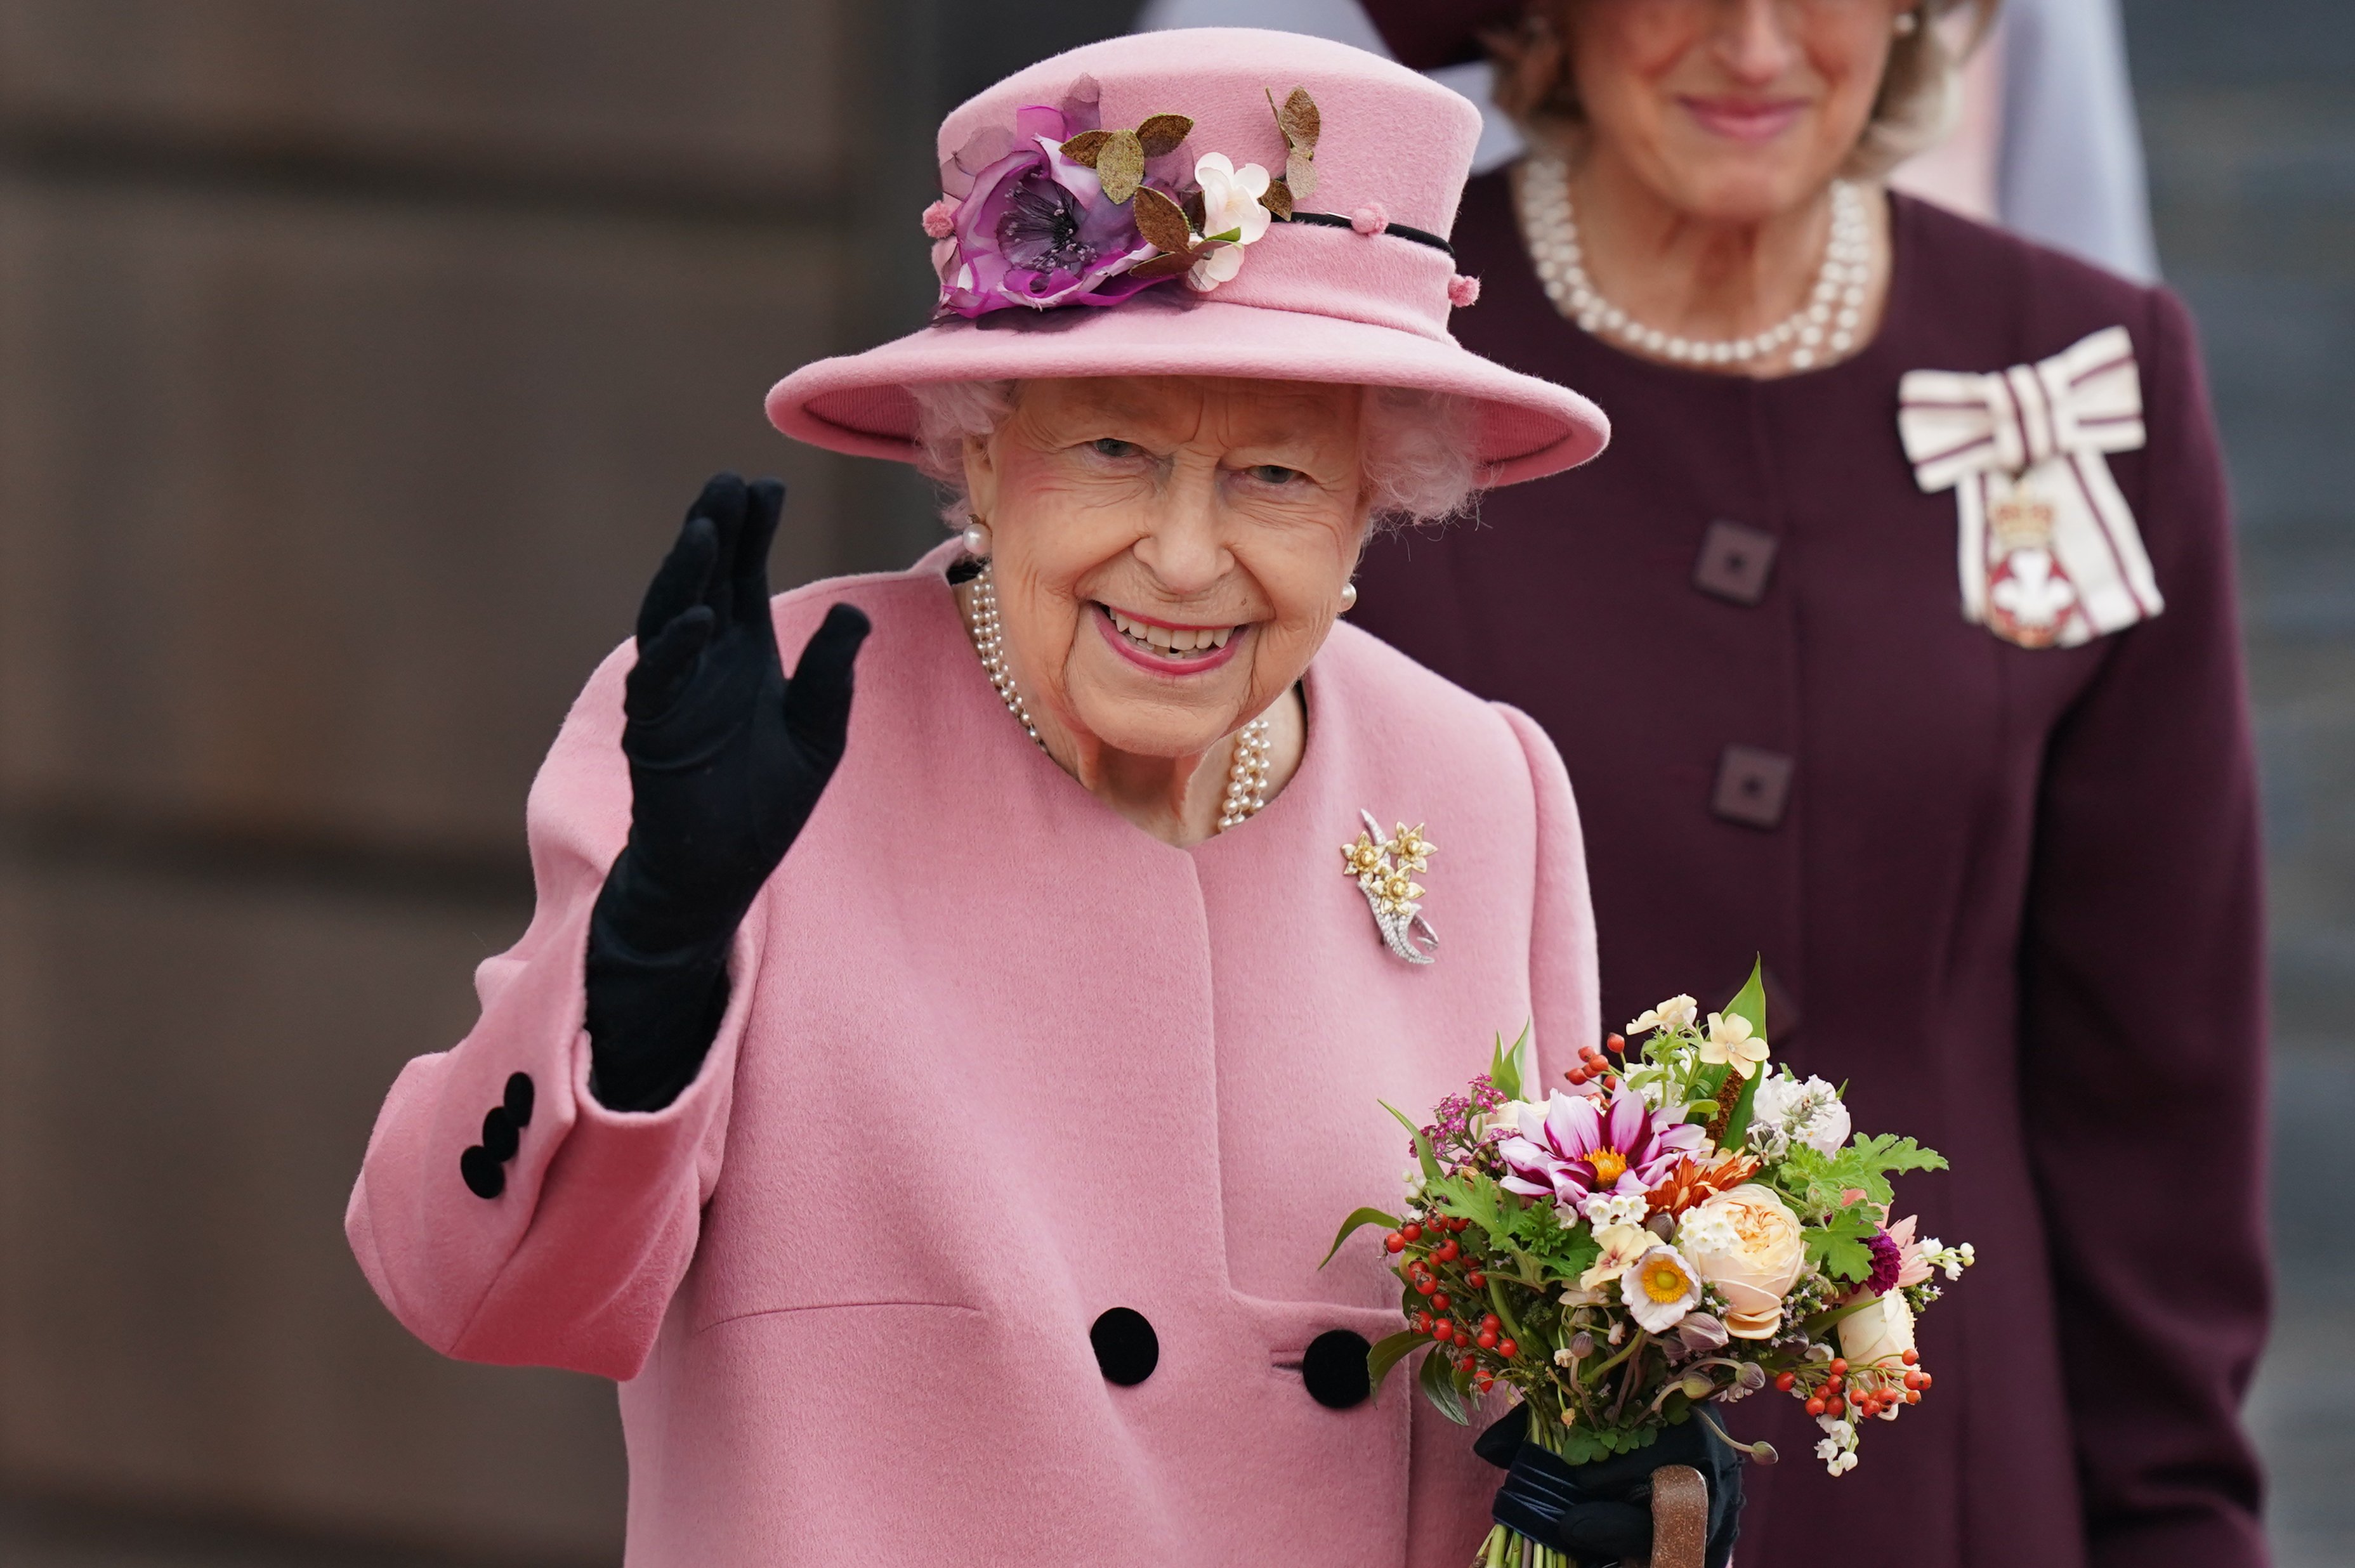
<point x="2249" y="119"/>
<point x="356" y="362"/>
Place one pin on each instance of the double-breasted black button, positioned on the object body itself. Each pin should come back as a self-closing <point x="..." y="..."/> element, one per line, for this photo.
<point x="485" y="1176"/>
<point x="1735" y="562"/>
<point x="1126" y="1347"/>
<point x="1334" y="1369"/>
<point x="483" y="1166"/>
<point x="1753" y="785"/>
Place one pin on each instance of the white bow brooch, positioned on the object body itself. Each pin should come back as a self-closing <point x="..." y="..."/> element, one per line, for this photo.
<point x="2049" y="550"/>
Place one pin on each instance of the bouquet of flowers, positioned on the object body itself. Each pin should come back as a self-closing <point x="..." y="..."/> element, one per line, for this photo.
<point x="1685" y="1226"/>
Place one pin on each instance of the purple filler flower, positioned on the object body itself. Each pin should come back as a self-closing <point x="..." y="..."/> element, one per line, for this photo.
<point x="1888" y="1263"/>
<point x="1576" y="1149"/>
<point x="1035" y="229"/>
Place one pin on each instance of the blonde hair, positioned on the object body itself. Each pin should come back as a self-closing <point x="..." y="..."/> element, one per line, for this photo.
<point x="1419" y="447"/>
<point x="1920" y="94"/>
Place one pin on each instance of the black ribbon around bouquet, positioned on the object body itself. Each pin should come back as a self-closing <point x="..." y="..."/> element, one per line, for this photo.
<point x="1600" y="1513"/>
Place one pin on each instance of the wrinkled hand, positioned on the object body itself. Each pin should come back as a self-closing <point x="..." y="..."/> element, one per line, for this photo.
<point x="727" y="761"/>
<point x="727" y="757"/>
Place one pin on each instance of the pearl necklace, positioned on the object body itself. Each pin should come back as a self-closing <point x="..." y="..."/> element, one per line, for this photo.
<point x="1826" y="323"/>
<point x="1246" y="776"/>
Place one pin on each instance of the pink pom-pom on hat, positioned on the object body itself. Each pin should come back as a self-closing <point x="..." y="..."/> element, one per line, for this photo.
<point x="1316" y="299"/>
<point x="940" y="218"/>
<point x="1463" y="290"/>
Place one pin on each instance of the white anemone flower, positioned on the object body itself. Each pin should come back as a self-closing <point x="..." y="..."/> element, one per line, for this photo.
<point x="1231" y="215"/>
<point x="1660" y="1289"/>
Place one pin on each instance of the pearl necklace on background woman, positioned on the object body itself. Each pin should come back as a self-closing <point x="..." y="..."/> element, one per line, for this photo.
<point x="1827" y="324"/>
<point x="1246" y="777"/>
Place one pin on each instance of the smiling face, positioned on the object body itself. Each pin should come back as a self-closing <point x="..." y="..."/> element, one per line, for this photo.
<point x="1168" y="552"/>
<point x="1729" y="110"/>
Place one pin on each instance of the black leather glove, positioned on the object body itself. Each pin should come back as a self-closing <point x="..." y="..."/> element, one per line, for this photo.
<point x="1601" y="1512"/>
<point x="727" y="761"/>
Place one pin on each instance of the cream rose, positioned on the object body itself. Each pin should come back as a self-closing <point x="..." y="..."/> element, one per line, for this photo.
<point x="1746" y="1243"/>
<point x="1878" y="1335"/>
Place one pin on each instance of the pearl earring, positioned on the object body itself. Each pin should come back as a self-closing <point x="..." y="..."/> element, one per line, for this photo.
<point x="1348" y="597"/>
<point x="977" y="540"/>
<point x="1906" y="22"/>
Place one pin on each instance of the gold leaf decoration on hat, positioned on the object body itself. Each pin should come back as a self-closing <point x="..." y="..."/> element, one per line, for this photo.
<point x="1278" y="199"/>
<point x="1162" y="221"/>
<point x="1161" y="133"/>
<point x="1120" y="165"/>
<point x="1160" y="267"/>
<point x="1301" y="125"/>
<point x="1082" y="148"/>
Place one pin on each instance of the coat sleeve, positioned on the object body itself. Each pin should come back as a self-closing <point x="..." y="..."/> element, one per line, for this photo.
<point x="1452" y="1487"/>
<point x="1563" y="988"/>
<point x="573" y="1261"/>
<point x="2143" y="1028"/>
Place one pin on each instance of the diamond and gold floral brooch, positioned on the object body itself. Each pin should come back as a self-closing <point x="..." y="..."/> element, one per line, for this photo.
<point x="1384" y="870"/>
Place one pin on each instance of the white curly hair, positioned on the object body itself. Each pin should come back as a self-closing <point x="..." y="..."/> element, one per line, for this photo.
<point x="1421" y="461"/>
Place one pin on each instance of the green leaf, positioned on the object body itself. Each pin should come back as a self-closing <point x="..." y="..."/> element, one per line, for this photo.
<point x="1386" y="1353"/>
<point x="1358" y="1218"/>
<point x="1422" y="1145"/>
<point x="1505" y="1066"/>
<point x="1839" y="1247"/>
<point x="1750" y="1002"/>
<point x="1438" y="1380"/>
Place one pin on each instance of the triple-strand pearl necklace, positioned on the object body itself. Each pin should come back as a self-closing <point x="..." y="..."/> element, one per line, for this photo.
<point x="1246" y="776"/>
<point x="1826" y="325"/>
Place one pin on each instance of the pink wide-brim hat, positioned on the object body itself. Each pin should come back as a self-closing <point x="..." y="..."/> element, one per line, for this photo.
<point x="1349" y="304"/>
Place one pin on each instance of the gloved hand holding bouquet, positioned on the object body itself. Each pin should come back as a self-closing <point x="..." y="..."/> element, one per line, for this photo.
<point x="1683" y="1228"/>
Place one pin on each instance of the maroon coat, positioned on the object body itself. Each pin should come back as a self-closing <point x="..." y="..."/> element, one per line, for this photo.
<point x="2012" y="895"/>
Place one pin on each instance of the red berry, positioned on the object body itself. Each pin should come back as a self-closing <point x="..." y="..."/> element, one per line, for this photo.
<point x="1490" y="1320"/>
<point x="1427" y="1286"/>
<point x="1394" y="1242"/>
<point x="1913" y="1397"/>
<point x="1507" y="1348"/>
<point x="1422" y="1322"/>
<point x="1925" y="1380"/>
<point x="1816" y="1406"/>
<point x="1439" y="1303"/>
<point x="1411" y="1231"/>
<point x="1835" y="1381"/>
<point x="1839" y="1364"/>
<point x="1615" y="1041"/>
<point x="1487" y="1382"/>
<point x="1442" y="1331"/>
<point x="1909" y="1357"/>
<point x="1785" y="1381"/>
<point x="1835" y="1405"/>
<point x="1914" y="1380"/>
<point x="1477" y="1279"/>
<point x="1448" y="1252"/>
<point x="1577" y="1074"/>
<point x="1488" y="1340"/>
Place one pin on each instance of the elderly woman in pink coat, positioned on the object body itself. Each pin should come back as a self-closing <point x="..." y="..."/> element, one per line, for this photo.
<point x="931" y="1109"/>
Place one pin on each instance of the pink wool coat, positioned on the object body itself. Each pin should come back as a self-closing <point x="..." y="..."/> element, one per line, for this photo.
<point x="996" y="1061"/>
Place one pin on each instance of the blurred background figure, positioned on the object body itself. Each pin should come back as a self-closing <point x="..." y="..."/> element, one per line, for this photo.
<point x="2044" y="142"/>
<point x="351" y="361"/>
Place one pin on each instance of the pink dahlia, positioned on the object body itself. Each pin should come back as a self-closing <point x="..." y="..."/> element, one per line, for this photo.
<point x="1580" y="1146"/>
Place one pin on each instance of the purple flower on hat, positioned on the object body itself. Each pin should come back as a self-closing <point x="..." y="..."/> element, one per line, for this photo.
<point x="1033" y="228"/>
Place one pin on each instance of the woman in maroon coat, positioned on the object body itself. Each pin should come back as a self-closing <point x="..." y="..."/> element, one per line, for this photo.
<point x="1946" y="720"/>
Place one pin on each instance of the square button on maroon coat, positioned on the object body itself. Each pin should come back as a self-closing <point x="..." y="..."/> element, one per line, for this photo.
<point x="2013" y="895"/>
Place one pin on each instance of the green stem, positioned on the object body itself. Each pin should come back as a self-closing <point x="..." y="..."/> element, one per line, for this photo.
<point x="1602" y="1367"/>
